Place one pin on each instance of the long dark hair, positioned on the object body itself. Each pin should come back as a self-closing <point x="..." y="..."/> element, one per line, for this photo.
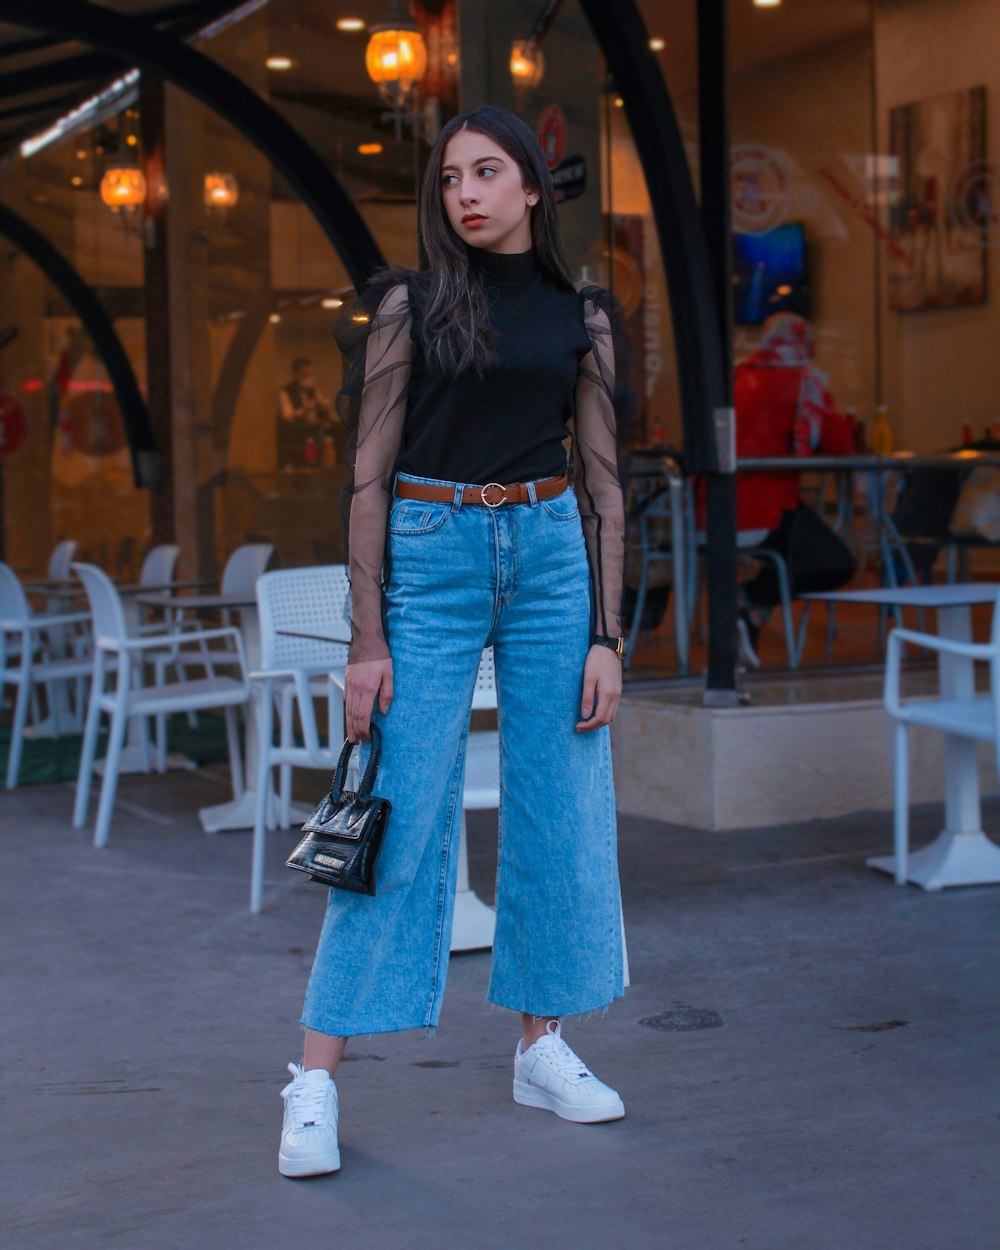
<point x="457" y="333"/>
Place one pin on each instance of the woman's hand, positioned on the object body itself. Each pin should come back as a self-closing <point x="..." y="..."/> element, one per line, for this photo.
<point x="362" y="683"/>
<point x="602" y="685"/>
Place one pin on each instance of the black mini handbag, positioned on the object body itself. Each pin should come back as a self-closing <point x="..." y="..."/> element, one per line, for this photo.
<point x="344" y="834"/>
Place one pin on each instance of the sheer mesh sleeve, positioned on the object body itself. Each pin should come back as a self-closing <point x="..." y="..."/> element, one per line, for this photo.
<point x="595" y="466"/>
<point x="375" y="337"/>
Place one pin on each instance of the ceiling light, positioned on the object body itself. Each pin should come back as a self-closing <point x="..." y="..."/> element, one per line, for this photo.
<point x="657" y="45"/>
<point x="76" y="180"/>
<point x="131" y="140"/>
<point x="619" y="102"/>
<point x="333" y="303"/>
<point x="274" y="318"/>
<point x="350" y="23"/>
<point x="527" y="64"/>
<point x="81" y="155"/>
<point x="279" y="62"/>
<point x="767" y="4"/>
<point x="369" y="149"/>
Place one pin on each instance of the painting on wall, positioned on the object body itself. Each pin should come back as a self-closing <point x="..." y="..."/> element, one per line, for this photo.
<point x="937" y="221"/>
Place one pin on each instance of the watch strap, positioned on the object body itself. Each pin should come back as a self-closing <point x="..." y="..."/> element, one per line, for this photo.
<point x="617" y="645"/>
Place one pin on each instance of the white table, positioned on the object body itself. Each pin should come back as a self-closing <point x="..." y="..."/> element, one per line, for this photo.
<point x="237" y="813"/>
<point x="961" y="854"/>
<point x="133" y="758"/>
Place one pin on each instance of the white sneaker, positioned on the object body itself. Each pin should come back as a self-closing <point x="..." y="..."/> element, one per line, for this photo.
<point x="549" y="1075"/>
<point x="309" y="1133"/>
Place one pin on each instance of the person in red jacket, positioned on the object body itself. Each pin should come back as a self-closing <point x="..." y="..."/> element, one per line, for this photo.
<point x="783" y="408"/>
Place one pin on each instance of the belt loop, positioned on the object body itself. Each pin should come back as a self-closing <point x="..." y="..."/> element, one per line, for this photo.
<point x="457" y="503"/>
<point x="532" y="497"/>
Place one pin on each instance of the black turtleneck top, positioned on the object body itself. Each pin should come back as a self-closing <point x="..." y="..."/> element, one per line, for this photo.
<point x="508" y="425"/>
<point x="553" y="377"/>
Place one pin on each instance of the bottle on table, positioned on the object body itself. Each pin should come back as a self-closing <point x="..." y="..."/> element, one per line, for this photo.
<point x="881" y="436"/>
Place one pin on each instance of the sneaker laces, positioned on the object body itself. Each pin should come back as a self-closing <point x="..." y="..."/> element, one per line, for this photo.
<point x="560" y="1056"/>
<point x="307" y="1100"/>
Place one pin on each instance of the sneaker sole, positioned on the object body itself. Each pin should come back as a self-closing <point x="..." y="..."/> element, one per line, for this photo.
<point x="308" y="1167"/>
<point x="532" y="1096"/>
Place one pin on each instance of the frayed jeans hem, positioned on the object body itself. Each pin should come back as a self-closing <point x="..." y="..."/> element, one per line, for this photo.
<point x="369" y="1030"/>
<point x="570" y="1013"/>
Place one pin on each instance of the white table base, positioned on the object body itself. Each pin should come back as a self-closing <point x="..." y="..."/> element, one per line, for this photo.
<point x="240" y="814"/>
<point x="951" y="859"/>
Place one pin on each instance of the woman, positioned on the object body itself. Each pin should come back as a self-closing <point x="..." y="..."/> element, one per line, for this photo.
<point x="464" y="534"/>
<point x="784" y="407"/>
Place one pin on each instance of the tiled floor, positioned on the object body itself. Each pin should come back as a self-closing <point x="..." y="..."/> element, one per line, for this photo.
<point x="807" y="1054"/>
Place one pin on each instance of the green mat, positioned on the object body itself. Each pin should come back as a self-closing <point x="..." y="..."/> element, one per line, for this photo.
<point x="58" y="759"/>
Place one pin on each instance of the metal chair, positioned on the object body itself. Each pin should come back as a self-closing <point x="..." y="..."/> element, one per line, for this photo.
<point x="125" y="658"/>
<point x="657" y="502"/>
<point x="25" y="662"/>
<point x="294" y="673"/>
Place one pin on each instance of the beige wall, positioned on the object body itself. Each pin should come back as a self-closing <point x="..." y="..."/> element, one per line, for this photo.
<point x="941" y="367"/>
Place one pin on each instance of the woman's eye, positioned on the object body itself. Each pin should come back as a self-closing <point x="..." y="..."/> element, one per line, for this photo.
<point x="448" y="180"/>
<point x="487" y="169"/>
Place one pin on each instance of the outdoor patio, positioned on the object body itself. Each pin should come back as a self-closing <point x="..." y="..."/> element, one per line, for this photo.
<point x="845" y="1099"/>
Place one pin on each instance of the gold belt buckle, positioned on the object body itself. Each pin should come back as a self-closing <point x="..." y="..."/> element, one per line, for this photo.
<point x="499" y="502"/>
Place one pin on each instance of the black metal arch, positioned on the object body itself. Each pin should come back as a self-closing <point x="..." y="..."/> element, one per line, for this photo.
<point x="696" y="292"/>
<point x="146" y="460"/>
<point x="621" y="33"/>
<point x="159" y="53"/>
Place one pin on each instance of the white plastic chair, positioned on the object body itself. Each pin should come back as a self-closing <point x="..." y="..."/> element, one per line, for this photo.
<point x="294" y="673"/>
<point x="159" y="564"/>
<point x="244" y="566"/>
<point x="128" y="696"/>
<point x="239" y="577"/>
<point x="25" y="662"/>
<point x="964" y="720"/>
<point x="61" y="560"/>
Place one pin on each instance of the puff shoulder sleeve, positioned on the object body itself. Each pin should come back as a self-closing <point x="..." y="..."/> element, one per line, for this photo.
<point x="373" y="402"/>
<point x="595" y="466"/>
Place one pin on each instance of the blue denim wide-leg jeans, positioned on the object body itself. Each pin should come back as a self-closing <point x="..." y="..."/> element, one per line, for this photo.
<point x="463" y="578"/>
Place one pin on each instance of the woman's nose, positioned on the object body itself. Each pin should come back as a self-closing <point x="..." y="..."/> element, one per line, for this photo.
<point x="469" y="193"/>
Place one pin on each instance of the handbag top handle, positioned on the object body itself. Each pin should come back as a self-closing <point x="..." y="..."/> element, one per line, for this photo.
<point x="368" y="780"/>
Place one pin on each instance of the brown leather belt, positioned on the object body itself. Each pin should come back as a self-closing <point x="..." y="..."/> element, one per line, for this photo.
<point x="493" y="495"/>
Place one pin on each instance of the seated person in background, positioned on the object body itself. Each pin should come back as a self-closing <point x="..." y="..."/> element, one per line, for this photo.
<point x="784" y="408"/>
<point x="303" y="413"/>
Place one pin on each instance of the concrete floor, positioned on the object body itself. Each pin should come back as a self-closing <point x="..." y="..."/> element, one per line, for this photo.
<point x="847" y="1099"/>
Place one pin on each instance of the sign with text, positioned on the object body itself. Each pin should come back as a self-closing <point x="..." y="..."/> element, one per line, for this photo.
<point x="551" y="131"/>
<point x="569" y="178"/>
<point x="13" y="426"/>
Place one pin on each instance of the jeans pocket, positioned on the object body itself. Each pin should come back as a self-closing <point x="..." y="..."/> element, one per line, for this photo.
<point x="414" y="516"/>
<point x="563" y="507"/>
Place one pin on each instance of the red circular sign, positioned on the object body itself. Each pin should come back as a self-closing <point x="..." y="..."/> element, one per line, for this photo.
<point x="91" y="421"/>
<point x="13" y="426"/>
<point x="551" y="131"/>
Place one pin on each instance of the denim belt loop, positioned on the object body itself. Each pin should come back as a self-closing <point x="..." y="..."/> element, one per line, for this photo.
<point x="531" y="494"/>
<point x="456" y="506"/>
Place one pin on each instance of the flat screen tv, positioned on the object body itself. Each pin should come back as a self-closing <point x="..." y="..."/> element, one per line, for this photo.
<point x="769" y="274"/>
